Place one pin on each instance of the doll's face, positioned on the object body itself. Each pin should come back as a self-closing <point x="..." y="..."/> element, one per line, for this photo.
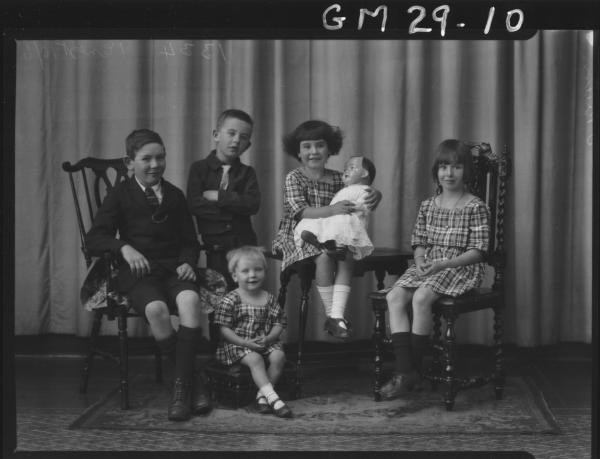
<point x="354" y="171"/>
<point x="149" y="164"/>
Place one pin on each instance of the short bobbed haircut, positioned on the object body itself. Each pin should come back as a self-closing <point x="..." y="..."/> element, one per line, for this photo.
<point x="452" y="151"/>
<point x="234" y="256"/>
<point x="138" y="138"/>
<point x="313" y="130"/>
<point x="234" y="113"/>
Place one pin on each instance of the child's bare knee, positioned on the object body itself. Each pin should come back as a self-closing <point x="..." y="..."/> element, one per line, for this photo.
<point x="277" y="357"/>
<point x="252" y="359"/>
<point x="157" y="311"/>
<point x="397" y="298"/>
<point x="188" y="306"/>
<point x="423" y="299"/>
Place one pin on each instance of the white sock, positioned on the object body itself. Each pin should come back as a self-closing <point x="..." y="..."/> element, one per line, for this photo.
<point x="326" y="294"/>
<point x="340" y="298"/>
<point x="270" y="394"/>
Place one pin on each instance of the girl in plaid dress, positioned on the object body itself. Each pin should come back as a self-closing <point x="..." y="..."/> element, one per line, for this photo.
<point x="309" y="190"/>
<point x="251" y="322"/>
<point x="450" y="238"/>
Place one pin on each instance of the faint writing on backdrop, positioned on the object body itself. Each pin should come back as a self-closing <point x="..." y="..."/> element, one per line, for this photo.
<point x="106" y="49"/>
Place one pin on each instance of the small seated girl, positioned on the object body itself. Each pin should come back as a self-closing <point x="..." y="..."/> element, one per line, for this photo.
<point x="251" y="322"/>
<point x="342" y="232"/>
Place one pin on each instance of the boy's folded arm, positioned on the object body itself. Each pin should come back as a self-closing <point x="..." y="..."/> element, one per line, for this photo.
<point x="197" y="203"/>
<point x="245" y="203"/>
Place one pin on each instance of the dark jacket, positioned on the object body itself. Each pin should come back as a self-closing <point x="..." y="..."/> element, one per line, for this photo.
<point x="125" y="209"/>
<point x="230" y="214"/>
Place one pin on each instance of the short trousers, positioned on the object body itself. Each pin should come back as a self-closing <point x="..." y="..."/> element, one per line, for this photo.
<point x="159" y="285"/>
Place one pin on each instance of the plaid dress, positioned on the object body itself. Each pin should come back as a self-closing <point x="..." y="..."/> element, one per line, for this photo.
<point x="448" y="233"/>
<point x="302" y="192"/>
<point x="248" y="322"/>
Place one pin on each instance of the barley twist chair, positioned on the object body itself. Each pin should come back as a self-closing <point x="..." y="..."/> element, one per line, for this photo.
<point x="492" y="173"/>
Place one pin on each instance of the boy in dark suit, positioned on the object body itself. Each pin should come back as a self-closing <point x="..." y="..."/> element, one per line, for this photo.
<point x="158" y="252"/>
<point x="223" y="192"/>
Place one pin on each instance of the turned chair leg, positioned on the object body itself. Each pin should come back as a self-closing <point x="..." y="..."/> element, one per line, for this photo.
<point x="89" y="359"/>
<point x="123" y="360"/>
<point x="449" y="361"/>
<point x="498" y="354"/>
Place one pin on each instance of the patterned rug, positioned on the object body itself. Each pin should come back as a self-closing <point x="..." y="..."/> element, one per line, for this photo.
<point x="339" y="403"/>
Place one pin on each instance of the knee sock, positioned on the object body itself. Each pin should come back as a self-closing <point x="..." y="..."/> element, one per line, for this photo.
<point x="326" y="294"/>
<point x="187" y="341"/>
<point x="402" y="350"/>
<point x="340" y="298"/>
<point x="420" y="345"/>
<point x="168" y="346"/>
<point x="270" y="394"/>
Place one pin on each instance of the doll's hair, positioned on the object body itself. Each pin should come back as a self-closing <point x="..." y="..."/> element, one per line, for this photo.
<point x="452" y="151"/>
<point x="234" y="256"/>
<point x="368" y="165"/>
<point x="234" y="113"/>
<point x="138" y="138"/>
<point x="313" y="130"/>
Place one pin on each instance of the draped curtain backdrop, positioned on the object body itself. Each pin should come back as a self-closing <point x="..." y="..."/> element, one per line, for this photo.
<point x="394" y="101"/>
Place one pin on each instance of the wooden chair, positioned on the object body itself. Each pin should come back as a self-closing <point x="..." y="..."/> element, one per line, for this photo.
<point x="91" y="179"/>
<point x="492" y="173"/>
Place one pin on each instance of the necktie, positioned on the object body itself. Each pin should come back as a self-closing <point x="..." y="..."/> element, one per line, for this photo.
<point x="151" y="198"/>
<point x="225" y="177"/>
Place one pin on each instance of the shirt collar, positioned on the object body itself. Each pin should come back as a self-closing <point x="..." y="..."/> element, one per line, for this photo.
<point x="157" y="188"/>
<point x="215" y="163"/>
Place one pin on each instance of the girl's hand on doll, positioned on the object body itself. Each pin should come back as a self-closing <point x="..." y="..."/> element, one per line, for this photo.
<point x="186" y="272"/>
<point x="138" y="263"/>
<point x="373" y="198"/>
<point x="342" y="208"/>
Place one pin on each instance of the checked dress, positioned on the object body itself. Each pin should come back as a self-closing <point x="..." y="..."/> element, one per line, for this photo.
<point x="302" y="192"/>
<point x="445" y="234"/>
<point x="248" y="322"/>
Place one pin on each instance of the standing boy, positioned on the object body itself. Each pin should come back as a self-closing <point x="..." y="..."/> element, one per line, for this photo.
<point x="223" y="192"/>
<point x="158" y="252"/>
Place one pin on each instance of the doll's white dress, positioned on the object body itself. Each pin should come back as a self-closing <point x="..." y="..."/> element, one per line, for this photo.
<point x="347" y="229"/>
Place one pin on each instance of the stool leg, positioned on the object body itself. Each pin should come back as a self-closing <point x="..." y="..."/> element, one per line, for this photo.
<point x="449" y="360"/>
<point x="436" y="363"/>
<point x="305" y="283"/>
<point x="379" y="307"/>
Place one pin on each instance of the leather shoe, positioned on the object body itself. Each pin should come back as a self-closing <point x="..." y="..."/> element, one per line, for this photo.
<point x="179" y="407"/>
<point x="200" y="399"/>
<point x="283" y="411"/>
<point x="262" y="408"/>
<point x="400" y="384"/>
<point x="333" y="327"/>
